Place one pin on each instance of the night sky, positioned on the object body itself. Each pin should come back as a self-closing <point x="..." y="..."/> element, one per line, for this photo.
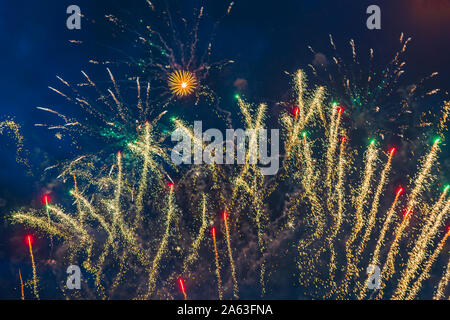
<point x="264" y="38"/>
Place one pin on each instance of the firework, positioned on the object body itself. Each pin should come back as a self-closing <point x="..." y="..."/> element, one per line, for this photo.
<point x="182" y="83"/>
<point x="443" y="283"/>
<point x="193" y="256"/>
<point x="163" y="246"/>
<point x="182" y="287"/>
<point x="230" y="256"/>
<point x="426" y="272"/>
<point x="46" y="199"/>
<point x="172" y="52"/>
<point x="376" y="201"/>
<point x="384" y="229"/>
<point x="119" y="228"/>
<point x="360" y="202"/>
<point x="417" y="254"/>
<point x="331" y="150"/>
<point x="103" y="116"/>
<point x="35" y="279"/>
<point x="21" y="286"/>
<point x="12" y="127"/>
<point x="364" y="224"/>
<point x="375" y="95"/>
<point x="423" y="176"/>
<point x="216" y="254"/>
<point x="127" y="222"/>
<point x="338" y="218"/>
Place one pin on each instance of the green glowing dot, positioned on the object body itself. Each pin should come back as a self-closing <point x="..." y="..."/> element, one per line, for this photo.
<point x="304" y="134"/>
<point x="70" y="192"/>
<point x="372" y="141"/>
<point x="437" y="140"/>
<point x="334" y="104"/>
<point x="446" y="188"/>
<point x="236" y="96"/>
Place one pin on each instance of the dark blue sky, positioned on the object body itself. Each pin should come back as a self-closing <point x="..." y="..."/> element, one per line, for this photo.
<point x="263" y="37"/>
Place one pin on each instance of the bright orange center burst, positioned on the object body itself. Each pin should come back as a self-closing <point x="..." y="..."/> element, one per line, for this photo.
<point x="182" y="83"/>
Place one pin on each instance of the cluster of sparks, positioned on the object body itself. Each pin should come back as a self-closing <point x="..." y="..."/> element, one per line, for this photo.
<point x="376" y="97"/>
<point x="174" y="55"/>
<point x="13" y="128"/>
<point x="171" y="65"/>
<point x="137" y="222"/>
<point x="336" y="212"/>
<point x="105" y="119"/>
<point x="131" y="220"/>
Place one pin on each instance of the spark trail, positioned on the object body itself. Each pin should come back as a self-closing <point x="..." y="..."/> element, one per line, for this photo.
<point x="426" y="272"/>
<point x="153" y="273"/>
<point x="376" y="201"/>
<point x="423" y="176"/>
<point x="338" y="218"/>
<point x="193" y="256"/>
<point x="230" y="256"/>
<point x="182" y="287"/>
<point x="35" y="279"/>
<point x="360" y="202"/>
<point x="331" y="150"/>
<point x="443" y="283"/>
<point x="216" y="254"/>
<point x="418" y="253"/>
<point x="380" y="242"/>
<point x="21" y="286"/>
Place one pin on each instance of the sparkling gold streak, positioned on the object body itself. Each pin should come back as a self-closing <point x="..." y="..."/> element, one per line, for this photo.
<point x="418" y="253"/>
<point x="35" y="279"/>
<point x="360" y="203"/>
<point x="331" y="150"/>
<point x="426" y="272"/>
<point x="375" y="203"/>
<point x="147" y="161"/>
<point x="216" y="253"/>
<point x="21" y="286"/>
<point x="424" y="173"/>
<point x="193" y="256"/>
<point x="338" y="218"/>
<point x="230" y="6"/>
<point x="443" y="283"/>
<point x="230" y="256"/>
<point x="380" y="242"/>
<point x="163" y="245"/>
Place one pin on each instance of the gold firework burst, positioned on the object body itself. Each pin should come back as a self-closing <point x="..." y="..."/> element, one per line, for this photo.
<point x="182" y="83"/>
